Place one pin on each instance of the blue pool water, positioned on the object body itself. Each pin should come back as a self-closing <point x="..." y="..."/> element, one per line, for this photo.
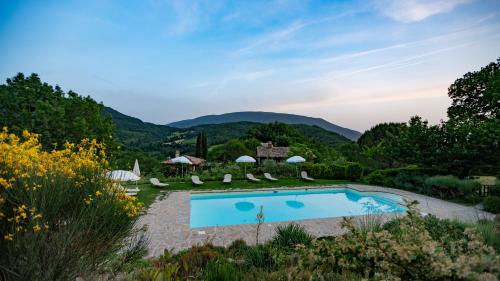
<point x="241" y="208"/>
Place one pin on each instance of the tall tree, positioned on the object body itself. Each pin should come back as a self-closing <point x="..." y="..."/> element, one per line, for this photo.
<point x="28" y="104"/>
<point x="198" y="151"/>
<point x="476" y="96"/>
<point x="204" y="145"/>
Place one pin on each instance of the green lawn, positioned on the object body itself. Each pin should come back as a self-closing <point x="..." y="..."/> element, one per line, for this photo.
<point x="148" y="193"/>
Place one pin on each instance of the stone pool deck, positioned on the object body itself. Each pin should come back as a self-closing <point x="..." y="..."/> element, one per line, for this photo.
<point x="167" y="220"/>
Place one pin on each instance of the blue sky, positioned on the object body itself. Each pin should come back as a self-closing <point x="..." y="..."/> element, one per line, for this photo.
<point x="354" y="63"/>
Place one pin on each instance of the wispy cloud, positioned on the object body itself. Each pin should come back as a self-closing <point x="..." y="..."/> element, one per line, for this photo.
<point x="190" y="16"/>
<point x="272" y="38"/>
<point x="275" y="38"/>
<point x="415" y="10"/>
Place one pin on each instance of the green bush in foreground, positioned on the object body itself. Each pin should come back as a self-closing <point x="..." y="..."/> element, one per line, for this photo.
<point x="406" y="248"/>
<point x="450" y="187"/>
<point x="290" y="235"/>
<point x="408" y="253"/>
<point x="492" y="204"/>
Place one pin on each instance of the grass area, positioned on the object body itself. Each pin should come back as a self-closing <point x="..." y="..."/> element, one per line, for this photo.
<point x="148" y="192"/>
<point x="485" y="180"/>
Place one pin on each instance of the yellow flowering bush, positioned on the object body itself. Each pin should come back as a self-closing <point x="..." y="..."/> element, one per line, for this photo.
<point x="50" y="198"/>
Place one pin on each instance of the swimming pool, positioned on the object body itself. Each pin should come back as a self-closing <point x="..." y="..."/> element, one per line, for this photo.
<point x="219" y="209"/>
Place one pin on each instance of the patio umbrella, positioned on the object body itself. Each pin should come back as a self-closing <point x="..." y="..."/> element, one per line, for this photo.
<point x="122" y="175"/>
<point x="296" y="160"/>
<point x="245" y="159"/>
<point x="182" y="160"/>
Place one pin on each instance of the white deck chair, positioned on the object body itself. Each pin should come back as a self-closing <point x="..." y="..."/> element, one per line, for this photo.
<point x="250" y="177"/>
<point x="157" y="183"/>
<point x="269" y="177"/>
<point x="304" y="176"/>
<point x="196" y="180"/>
<point x="132" y="191"/>
<point x="227" y="178"/>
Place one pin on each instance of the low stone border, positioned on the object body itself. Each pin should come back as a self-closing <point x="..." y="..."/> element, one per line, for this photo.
<point x="167" y="220"/>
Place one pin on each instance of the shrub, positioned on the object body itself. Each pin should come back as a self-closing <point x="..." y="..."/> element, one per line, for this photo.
<point x="337" y="171"/>
<point x="290" y="235"/>
<point x="492" y="204"/>
<point x="353" y="171"/>
<point x="348" y="170"/>
<point x="368" y="223"/>
<point x="60" y="218"/>
<point x="409" y="177"/>
<point x="450" y="187"/>
<point x="260" y="256"/>
<point x="238" y="248"/>
<point x="221" y="270"/>
<point x="490" y="231"/>
<point x="196" y="258"/>
<point x="407" y="253"/>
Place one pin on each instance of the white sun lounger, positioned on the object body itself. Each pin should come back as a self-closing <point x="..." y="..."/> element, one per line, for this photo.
<point x="157" y="183"/>
<point x="132" y="191"/>
<point x="250" y="177"/>
<point x="227" y="178"/>
<point x="196" y="180"/>
<point x="269" y="177"/>
<point x="304" y="176"/>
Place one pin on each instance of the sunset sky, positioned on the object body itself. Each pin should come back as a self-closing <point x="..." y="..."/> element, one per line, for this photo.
<point x="353" y="63"/>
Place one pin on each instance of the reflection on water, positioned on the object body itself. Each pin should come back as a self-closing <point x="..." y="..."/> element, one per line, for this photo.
<point x="295" y="204"/>
<point x="371" y="206"/>
<point x="244" y="206"/>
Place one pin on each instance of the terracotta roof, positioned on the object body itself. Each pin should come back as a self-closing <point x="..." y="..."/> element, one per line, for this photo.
<point x="195" y="160"/>
<point x="272" y="151"/>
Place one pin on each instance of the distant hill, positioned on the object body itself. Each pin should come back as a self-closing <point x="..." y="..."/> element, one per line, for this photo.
<point x="266" y="117"/>
<point x="163" y="140"/>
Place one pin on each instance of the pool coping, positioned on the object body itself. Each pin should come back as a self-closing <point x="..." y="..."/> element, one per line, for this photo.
<point x="322" y="187"/>
<point x="167" y="221"/>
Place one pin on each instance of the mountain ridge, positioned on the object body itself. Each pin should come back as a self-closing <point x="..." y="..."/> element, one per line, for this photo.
<point x="265" y="117"/>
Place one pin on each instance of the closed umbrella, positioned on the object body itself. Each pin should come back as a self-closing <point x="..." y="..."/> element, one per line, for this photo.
<point x="245" y="159"/>
<point x="182" y="160"/>
<point x="296" y="160"/>
<point x="136" y="169"/>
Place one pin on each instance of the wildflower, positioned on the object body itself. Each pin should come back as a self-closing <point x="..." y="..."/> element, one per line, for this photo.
<point x="98" y="193"/>
<point x="8" y="237"/>
<point x="36" y="228"/>
<point x="88" y="200"/>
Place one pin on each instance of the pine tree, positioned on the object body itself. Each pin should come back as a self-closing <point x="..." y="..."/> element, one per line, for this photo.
<point x="199" y="145"/>
<point x="204" y="145"/>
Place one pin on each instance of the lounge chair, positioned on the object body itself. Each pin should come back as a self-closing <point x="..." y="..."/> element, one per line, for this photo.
<point x="227" y="178"/>
<point x="196" y="180"/>
<point x="157" y="183"/>
<point x="250" y="177"/>
<point x="132" y="191"/>
<point x="304" y="176"/>
<point x="269" y="177"/>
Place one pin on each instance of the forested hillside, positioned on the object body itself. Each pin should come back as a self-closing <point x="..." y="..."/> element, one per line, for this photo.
<point x="28" y="104"/>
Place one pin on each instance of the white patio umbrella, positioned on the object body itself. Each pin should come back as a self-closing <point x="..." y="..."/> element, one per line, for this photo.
<point x="136" y="169"/>
<point x="245" y="159"/>
<point x="122" y="175"/>
<point x="182" y="160"/>
<point x="296" y="160"/>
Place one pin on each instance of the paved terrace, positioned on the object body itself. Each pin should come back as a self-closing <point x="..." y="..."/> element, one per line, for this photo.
<point x="167" y="220"/>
